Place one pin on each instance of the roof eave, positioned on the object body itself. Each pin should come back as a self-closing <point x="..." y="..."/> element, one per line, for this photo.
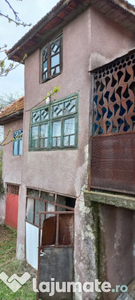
<point x="64" y="12"/>
<point x="12" y="117"/>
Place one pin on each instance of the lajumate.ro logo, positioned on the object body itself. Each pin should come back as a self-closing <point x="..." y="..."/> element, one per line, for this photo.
<point x="15" y="283"/>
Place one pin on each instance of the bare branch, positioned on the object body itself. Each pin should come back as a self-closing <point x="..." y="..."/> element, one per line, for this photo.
<point x="14" y="12"/>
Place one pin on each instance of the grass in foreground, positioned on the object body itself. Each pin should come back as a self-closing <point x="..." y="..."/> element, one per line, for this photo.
<point x="9" y="265"/>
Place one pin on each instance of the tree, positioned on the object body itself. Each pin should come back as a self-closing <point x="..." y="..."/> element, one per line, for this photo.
<point x="4" y="70"/>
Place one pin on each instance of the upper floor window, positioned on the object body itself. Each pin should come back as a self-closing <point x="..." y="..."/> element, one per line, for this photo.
<point x="17" y="143"/>
<point x="54" y="126"/>
<point x="52" y="59"/>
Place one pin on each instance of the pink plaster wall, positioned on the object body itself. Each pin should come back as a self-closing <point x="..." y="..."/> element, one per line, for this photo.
<point x="61" y="171"/>
<point x="108" y="39"/>
<point x="11" y="164"/>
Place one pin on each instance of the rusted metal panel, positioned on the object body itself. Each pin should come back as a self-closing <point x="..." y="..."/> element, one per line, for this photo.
<point x="58" y="230"/>
<point x="113" y="162"/>
<point x="66" y="225"/>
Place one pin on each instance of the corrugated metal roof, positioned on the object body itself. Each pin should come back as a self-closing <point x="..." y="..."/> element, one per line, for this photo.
<point x="120" y="11"/>
<point x="12" y="112"/>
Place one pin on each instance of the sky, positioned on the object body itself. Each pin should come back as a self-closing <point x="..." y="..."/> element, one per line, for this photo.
<point x="29" y="11"/>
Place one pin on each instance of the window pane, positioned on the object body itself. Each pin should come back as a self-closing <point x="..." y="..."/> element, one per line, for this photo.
<point x="30" y="209"/>
<point x="57" y="128"/>
<point x="44" y="131"/>
<point x="69" y="126"/>
<point x="44" y="54"/>
<point x="70" y="106"/>
<point x="56" y="134"/>
<point x="15" y="147"/>
<point x="39" y="207"/>
<point x="55" y="47"/>
<point x="34" y="136"/>
<point x="72" y="140"/>
<point x="36" y="116"/>
<point x="45" y="66"/>
<point x="69" y="132"/>
<point x="57" y="110"/>
<point x="55" y="60"/>
<point x="20" y="147"/>
<point x="34" y="132"/>
<point x="45" y="114"/>
<point x="49" y="207"/>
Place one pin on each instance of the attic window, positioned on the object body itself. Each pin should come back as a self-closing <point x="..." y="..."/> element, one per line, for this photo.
<point x="52" y="59"/>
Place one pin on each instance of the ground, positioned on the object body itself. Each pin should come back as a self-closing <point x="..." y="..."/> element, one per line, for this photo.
<point x="9" y="265"/>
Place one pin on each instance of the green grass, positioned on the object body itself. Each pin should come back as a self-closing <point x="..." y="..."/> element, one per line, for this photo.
<point x="10" y="265"/>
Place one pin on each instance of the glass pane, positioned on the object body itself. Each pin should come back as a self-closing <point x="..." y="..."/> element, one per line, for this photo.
<point x="57" y="69"/>
<point x="56" y="128"/>
<point x="39" y="207"/>
<point x="53" y="71"/>
<point x="55" y="47"/>
<point x="45" y="66"/>
<point x="45" y="54"/>
<point x="33" y="193"/>
<point x="15" y="147"/>
<point x="44" y="114"/>
<point x="61" y="200"/>
<point x="69" y="126"/>
<point x="30" y="208"/>
<point x="57" y="110"/>
<point x="66" y="140"/>
<point x="44" y="131"/>
<point x="20" y="147"/>
<point x="72" y="140"/>
<point x="34" y="132"/>
<point x="49" y="207"/>
<point x="48" y="197"/>
<point x="36" y="116"/>
<point x="44" y="143"/>
<point x="55" y="60"/>
<point x="70" y="106"/>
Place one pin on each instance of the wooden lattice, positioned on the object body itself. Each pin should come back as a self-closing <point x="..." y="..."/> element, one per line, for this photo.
<point x="114" y="97"/>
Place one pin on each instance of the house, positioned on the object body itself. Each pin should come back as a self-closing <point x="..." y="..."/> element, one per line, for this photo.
<point x="76" y="190"/>
<point x="12" y="120"/>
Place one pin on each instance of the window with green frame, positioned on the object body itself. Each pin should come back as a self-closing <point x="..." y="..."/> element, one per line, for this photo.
<point x="55" y="126"/>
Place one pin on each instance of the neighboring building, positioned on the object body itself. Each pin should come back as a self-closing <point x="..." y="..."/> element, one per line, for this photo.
<point x="78" y="145"/>
<point x="12" y="119"/>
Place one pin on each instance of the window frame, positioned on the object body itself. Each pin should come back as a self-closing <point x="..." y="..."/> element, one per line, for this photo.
<point x="18" y="140"/>
<point x="50" y="121"/>
<point x="49" y="56"/>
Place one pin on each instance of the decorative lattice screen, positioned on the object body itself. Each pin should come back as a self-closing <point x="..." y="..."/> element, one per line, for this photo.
<point x="114" y="95"/>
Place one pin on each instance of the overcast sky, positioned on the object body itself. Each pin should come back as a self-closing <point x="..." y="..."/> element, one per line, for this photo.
<point x="30" y="11"/>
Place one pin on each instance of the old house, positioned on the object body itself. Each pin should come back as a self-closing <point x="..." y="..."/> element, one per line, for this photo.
<point x="12" y="120"/>
<point x="77" y="166"/>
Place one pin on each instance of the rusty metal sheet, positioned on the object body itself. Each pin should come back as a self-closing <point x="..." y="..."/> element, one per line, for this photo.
<point x="113" y="162"/>
<point x="66" y="225"/>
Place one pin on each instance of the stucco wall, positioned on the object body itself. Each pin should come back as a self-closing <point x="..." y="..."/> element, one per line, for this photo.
<point x="11" y="164"/>
<point x="116" y="247"/>
<point x="108" y="39"/>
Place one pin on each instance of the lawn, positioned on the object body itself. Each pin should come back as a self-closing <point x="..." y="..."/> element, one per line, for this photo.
<point x="9" y="265"/>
